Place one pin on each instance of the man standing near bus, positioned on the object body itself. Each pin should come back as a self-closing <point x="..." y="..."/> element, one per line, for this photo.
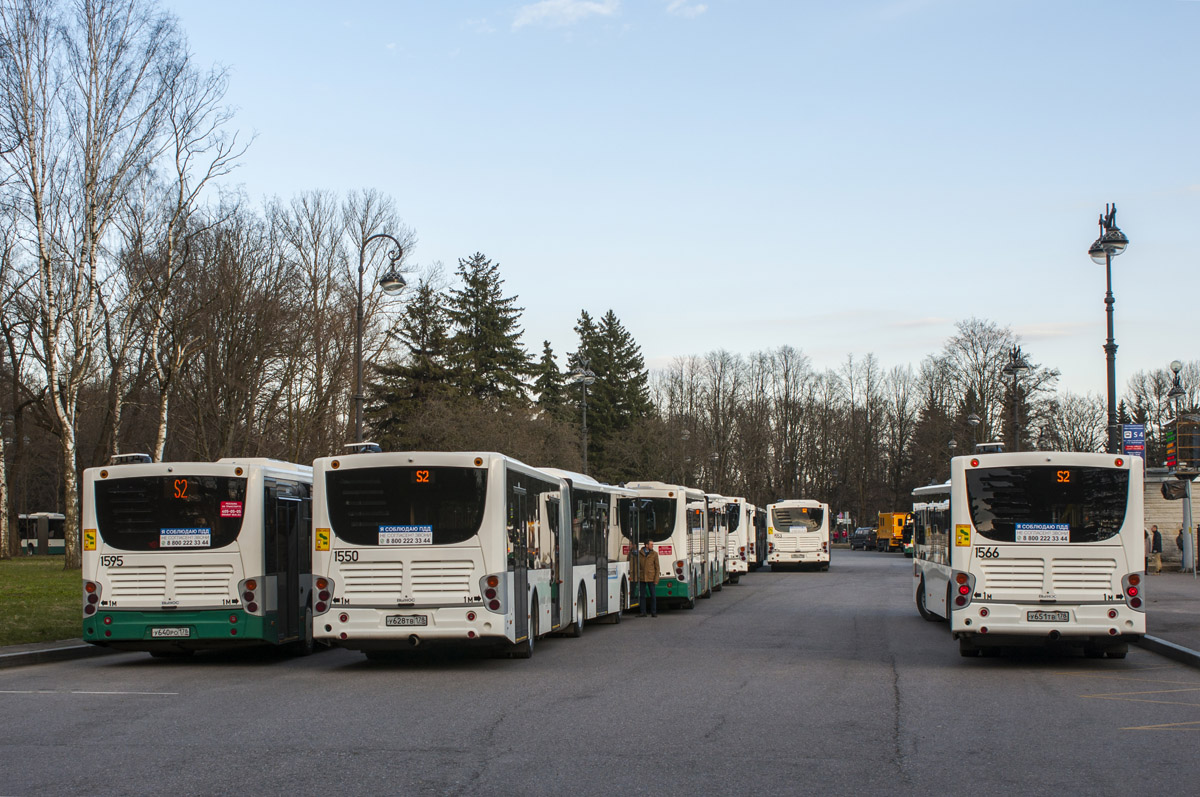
<point x="645" y="575"/>
<point x="1155" y="550"/>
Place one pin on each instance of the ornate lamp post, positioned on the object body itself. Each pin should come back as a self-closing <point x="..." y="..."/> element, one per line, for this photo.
<point x="973" y="421"/>
<point x="1111" y="243"/>
<point x="1016" y="366"/>
<point x="582" y="375"/>
<point x="392" y="283"/>
<point x="1184" y="471"/>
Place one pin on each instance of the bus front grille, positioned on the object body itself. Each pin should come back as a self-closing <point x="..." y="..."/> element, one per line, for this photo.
<point x="139" y="581"/>
<point x="193" y="581"/>
<point x="1006" y="574"/>
<point x="431" y="579"/>
<point x="377" y="581"/>
<point x="1083" y="574"/>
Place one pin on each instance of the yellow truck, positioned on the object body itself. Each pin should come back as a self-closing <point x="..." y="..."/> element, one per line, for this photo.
<point x="889" y="534"/>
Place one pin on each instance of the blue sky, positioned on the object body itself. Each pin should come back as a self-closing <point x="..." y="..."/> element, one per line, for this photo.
<point x="842" y="177"/>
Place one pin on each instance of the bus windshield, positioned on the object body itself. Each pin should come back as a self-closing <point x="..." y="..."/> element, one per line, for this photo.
<point x="800" y="518"/>
<point x="1044" y="503"/>
<point x="656" y="517"/>
<point x="150" y="513"/>
<point x="406" y="505"/>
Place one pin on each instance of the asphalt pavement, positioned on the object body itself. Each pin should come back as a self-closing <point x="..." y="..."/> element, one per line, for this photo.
<point x="1172" y="624"/>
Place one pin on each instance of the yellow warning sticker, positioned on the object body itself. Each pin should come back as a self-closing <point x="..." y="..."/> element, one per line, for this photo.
<point x="322" y="539"/>
<point x="962" y="536"/>
<point x="89" y="539"/>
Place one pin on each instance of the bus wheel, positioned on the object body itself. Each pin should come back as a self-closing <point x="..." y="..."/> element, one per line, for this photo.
<point x="921" y="608"/>
<point x="690" y="603"/>
<point x="966" y="649"/>
<point x="524" y="650"/>
<point x="1117" y="651"/>
<point x="735" y="579"/>
<point x="304" y="645"/>
<point x="576" y="629"/>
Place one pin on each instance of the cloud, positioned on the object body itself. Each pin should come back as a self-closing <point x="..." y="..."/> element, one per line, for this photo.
<point x="561" y="13"/>
<point x="1050" y="330"/>
<point x="479" y="25"/>
<point x="684" y="8"/>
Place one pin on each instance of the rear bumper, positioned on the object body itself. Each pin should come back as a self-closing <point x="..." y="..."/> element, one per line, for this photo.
<point x="797" y="557"/>
<point x="367" y="628"/>
<point x="1084" y="622"/>
<point x="196" y="629"/>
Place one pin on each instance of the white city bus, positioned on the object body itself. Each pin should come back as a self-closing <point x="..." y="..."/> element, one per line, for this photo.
<point x="427" y="547"/>
<point x="739" y="541"/>
<point x="798" y="534"/>
<point x="599" y="562"/>
<point x="187" y="556"/>
<point x="676" y="520"/>
<point x="1034" y="548"/>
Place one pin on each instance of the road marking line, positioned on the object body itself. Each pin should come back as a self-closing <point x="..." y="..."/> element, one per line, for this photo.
<point x="1171" y="726"/>
<point x="76" y="692"/>
<point x="1147" y="692"/>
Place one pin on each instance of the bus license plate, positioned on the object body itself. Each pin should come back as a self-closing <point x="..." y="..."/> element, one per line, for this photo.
<point x="1048" y="617"/>
<point x="170" y="633"/>
<point x="406" y="619"/>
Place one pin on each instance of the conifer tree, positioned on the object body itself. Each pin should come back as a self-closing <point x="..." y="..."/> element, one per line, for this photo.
<point x="489" y="361"/>
<point x="418" y="375"/>
<point x="550" y="384"/>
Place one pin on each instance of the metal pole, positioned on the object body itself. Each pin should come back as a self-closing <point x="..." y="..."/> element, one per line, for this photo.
<point x="1110" y="351"/>
<point x="1189" y="547"/>
<point x="1016" y="416"/>
<point x="358" y="352"/>
<point x="585" y="446"/>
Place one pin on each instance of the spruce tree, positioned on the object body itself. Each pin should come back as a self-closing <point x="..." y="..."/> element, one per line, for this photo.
<point x="550" y="385"/>
<point x="489" y="362"/>
<point x="420" y="373"/>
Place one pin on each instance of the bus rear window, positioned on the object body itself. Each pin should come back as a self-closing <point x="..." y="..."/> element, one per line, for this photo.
<point x="442" y="505"/>
<point x="150" y="513"/>
<point x="801" y="518"/>
<point x="1044" y="503"/>
<point x="655" y="517"/>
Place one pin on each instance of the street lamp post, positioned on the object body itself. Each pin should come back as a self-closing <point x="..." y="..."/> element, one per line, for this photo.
<point x="973" y="421"/>
<point x="582" y="375"/>
<point x="1016" y="366"/>
<point x="392" y="283"/>
<point x="1183" y="470"/>
<point x="1111" y="243"/>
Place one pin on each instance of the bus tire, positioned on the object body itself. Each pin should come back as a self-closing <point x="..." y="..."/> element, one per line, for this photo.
<point x="304" y="645"/>
<point x="689" y="603"/>
<point x="1117" y="651"/>
<point x="967" y="650"/>
<point x="735" y="579"/>
<point x="576" y="629"/>
<point x="921" y="608"/>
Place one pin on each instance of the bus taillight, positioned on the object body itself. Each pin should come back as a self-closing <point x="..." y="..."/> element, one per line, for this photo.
<point x="679" y="571"/>
<point x="323" y="588"/>
<point x="91" y="597"/>
<point x="1131" y="583"/>
<point x="248" y="589"/>
<point x="965" y="587"/>
<point x="493" y="593"/>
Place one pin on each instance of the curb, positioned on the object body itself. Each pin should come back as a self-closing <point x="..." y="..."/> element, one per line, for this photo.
<point x="1169" y="649"/>
<point x="67" y="652"/>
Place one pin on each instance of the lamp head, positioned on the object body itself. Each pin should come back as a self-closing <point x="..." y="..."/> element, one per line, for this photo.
<point x="392" y="282"/>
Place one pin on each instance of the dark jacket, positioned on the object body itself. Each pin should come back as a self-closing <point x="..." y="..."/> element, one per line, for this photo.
<point x="1156" y="543"/>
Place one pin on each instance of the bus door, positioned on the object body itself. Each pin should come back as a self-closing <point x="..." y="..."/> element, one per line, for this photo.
<point x="518" y="558"/>
<point x="550" y="546"/>
<point x="600" y="543"/>
<point x="285" y="513"/>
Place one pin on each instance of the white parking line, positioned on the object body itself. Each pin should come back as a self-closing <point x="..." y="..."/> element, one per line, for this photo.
<point x="76" y="692"/>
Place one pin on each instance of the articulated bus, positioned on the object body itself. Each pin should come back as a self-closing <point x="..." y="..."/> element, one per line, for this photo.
<point x="187" y="556"/>
<point x="739" y="543"/>
<point x="798" y="534"/>
<point x="457" y="548"/>
<point x="676" y="521"/>
<point x="1033" y="548"/>
<point x="717" y="542"/>
<point x="42" y="533"/>
<point x="600" y="578"/>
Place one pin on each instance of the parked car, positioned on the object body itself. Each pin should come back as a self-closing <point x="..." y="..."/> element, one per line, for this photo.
<point x="862" y="538"/>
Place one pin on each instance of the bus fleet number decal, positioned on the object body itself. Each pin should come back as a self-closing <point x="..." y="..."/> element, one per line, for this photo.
<point x="111" y="561"/>
<point x="987" y="553"/>
<point x="345" y="556"/>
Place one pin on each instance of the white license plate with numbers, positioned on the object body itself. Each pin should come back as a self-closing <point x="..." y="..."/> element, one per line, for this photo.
<point x="406" y="619"/>
<point x="1048" y="617"/>
<point x="170" y="633"/>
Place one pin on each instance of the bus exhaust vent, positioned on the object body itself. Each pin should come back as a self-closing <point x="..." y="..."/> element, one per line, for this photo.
<point x="131" y="459"/>
<point x="365" y="447"/>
